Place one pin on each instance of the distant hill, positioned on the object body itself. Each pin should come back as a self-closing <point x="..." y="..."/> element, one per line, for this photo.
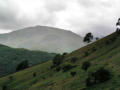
<point x="10" y="58"/>
<point x="43" y="38"/>
<point x="104" y="53"/>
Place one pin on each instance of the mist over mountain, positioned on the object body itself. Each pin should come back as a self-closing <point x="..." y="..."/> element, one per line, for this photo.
<point x="43" y="38"/>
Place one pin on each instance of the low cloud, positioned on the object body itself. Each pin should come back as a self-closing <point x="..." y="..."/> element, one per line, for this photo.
<point x="79" y="16"/>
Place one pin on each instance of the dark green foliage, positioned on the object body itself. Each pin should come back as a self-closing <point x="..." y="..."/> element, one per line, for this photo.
<point x="107" y="42"/>
<point x="118" y="31"/>
<point x="94" y="49"/>
<point x="34" y="74"/>
<point x="10" y="78"/>
<point x="73" y="74"/>
<point x="97" y="38"/>
<point x="22" y="65"/>
<point x="57" y="60"/>
<point x="86" y="54"/>
<point x="10" y="58"/>
<point x="100" y="76"/>
<point x="88" y="37"/>
<point x="74" y="59"/>
<point x="86" y="65"/>
<point x="67" y="67"/>
<point x="58" y="69"/>
<point x="4" y="87"/>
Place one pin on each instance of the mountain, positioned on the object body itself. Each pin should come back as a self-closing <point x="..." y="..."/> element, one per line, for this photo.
<point x="10" y="58"/>
<point x="43" y="38"/>
<point x="102" y="73"/>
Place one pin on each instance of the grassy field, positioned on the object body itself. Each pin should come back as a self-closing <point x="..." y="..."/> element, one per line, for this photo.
<point x="102" y="53"/>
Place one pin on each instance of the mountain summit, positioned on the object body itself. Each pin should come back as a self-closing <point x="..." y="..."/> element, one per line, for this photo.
<point x="43" y="38"/>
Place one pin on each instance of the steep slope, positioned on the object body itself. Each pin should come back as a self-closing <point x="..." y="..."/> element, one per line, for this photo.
<point x="10" y="58"/>
<point x="103" y="53"/>
<point x="43" y="38"/>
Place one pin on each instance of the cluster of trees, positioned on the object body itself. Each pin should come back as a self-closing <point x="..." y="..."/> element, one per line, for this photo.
<point x="100" y="76"/>
<point x="58" y="59"/>
<point x="22" y="65"/>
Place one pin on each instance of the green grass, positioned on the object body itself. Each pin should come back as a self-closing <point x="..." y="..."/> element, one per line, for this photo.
<point x="105" y="55"/>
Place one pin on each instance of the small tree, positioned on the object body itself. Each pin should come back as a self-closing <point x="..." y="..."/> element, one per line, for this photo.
<point x="22" y="65"/>
<point x="34" y="74"/>
<point x="74" y="59"/>
<point x="4" y="87"/>
<point x="86" y="54"/>
<point x="97" y="38"/>
<point x="57" y="60"/>
<point x="10" y="78"/>
<point x="67" y="67"/>
<point x="86" y="65"/>
<point x="88" y="37"/>
<point x="73" y="73"/>
<point x="100" y="76"/>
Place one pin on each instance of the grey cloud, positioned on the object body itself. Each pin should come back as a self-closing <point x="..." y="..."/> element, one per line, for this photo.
<point x="80" y="16"/>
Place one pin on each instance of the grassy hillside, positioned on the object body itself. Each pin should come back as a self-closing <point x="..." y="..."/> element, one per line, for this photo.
<point x="10" y="58"/>
<point x="103" y="53"/>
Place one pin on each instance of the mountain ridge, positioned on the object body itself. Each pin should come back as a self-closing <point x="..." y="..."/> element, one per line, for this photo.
<point x="43" y="38"/>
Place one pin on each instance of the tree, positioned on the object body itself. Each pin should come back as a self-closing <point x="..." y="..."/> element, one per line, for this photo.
<point x="57" y="60"/>
<point x="100" y="76"/>
<point x="34" y="74"/>
<point x="4" y="87"/>
<point x="74" y="59"/>
<point x="67" y="67"/>
<point x="73" y="73"/>
<point x="88" y="37"/>
<point x="22" y="65"/>
<point x="86" y="65"/>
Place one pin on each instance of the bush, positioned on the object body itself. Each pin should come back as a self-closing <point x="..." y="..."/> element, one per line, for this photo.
<point x="97" y="77"/>
<point x="67" y="67"/>
<point x="86" y="54"/>
<point x="86" y="65"/>
<point x="57" y="60"/>
<point x="94" y="49"/>
<point x="58" y="69"/>
<point x="74" y="59"/>
<point x="4" y="87"/>
<point x="107" y="42"/>
<point x="34" y="74"/>
<point x="22" y="65"/>
<point x="10" y="78"/>
<point x="73" y="73"/>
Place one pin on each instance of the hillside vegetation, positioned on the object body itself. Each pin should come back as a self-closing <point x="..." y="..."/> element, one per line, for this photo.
<point x="77" y="71"/>
<point x="10" y="58"/>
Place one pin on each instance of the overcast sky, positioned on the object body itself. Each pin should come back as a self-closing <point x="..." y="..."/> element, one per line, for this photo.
<point x="79" y="16"/>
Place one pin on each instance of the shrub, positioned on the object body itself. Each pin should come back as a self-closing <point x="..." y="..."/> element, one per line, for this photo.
<point x="86" y="65"/>
<point x="86" y="54"/>
<point x="34" y="74"/>
<point x="63" y="55"/>
<point x="67" y="67"/>
<point x="57" y="60"/>
<point x="74" y="59"/>
<point x="107" y="42"/>
<point x="4" y="87"/>
<point x="94" y="49"/>
<point x="10" y="78"/>
<point x="58" y="69"/>
<point x="100" y="76"/>
<point x="22" y="65"/>
<point x="73" y="73"/>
